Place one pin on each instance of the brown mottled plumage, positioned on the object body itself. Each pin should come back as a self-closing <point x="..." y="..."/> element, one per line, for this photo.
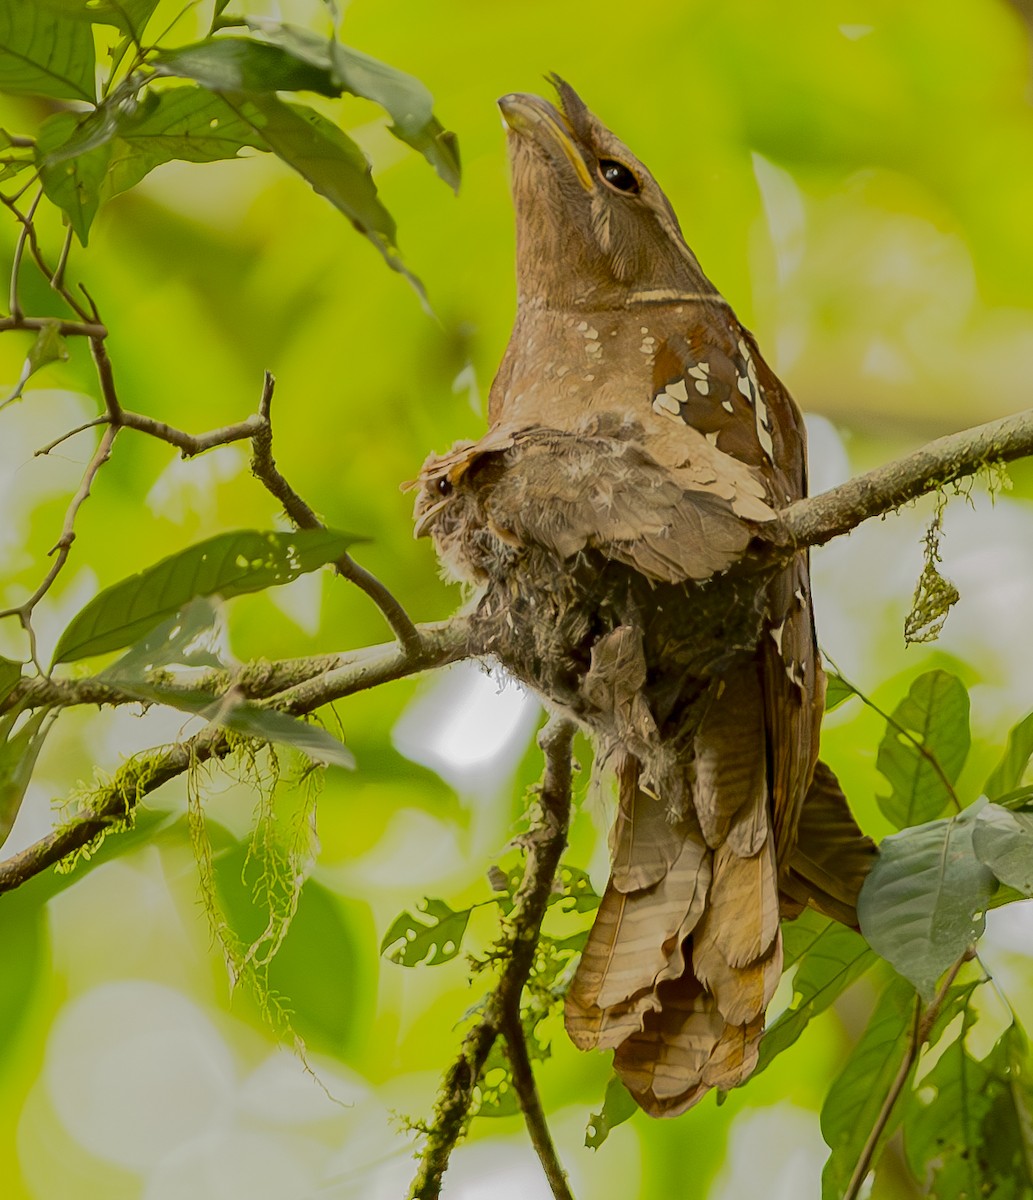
<point x="638" y="445"/>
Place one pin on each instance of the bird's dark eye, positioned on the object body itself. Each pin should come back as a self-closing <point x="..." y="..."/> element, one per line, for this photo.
<point x="445" y="486"/>
<point x="618" y="176"/>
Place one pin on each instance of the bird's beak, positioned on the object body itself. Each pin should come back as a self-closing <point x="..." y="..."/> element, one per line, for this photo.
<point x="533" y="117"/>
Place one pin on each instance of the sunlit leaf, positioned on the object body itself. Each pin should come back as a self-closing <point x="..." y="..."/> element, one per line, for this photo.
<point x="229" y="564"/>
<point x="855" y="1099"/>
<point x="577" y="893"/>
<point x="1003" y="840"/>
<point x="618" y="1107"/>
<point x="837" y="691"/>
<point x="48" y="347"/>
<point x="1007" y="775"/>
<point x="182" y="640"/>
<point x="45" y="51"/>
<point x="828" y="958"/>
<point x="433" y="935"/>
<point x="130" y="16"/>
<point x="496" y="1095"/>
<point x="924" y="901"/>
<point x="924" y="748"/>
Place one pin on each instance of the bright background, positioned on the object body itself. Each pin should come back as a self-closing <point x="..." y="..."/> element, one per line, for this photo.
<point x="858" y="179"/>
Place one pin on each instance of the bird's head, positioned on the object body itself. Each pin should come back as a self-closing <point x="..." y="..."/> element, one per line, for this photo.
<point x="593" y="226"/>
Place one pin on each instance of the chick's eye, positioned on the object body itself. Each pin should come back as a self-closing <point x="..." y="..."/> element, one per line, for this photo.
<point x="444" y="486"/>
<point x="618" y="176"/>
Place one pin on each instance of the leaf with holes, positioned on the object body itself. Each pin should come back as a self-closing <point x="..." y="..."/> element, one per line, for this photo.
<point x="434" y="935"/>
<point x="576" y="893"/>
<point x="187" y="123"/>
<point x="618" y="1107"/>
<point x="828" y="958"/>
<point x="1008" y="773"/>
<point x="229" y="564"/>
<point x="496" y="1094"/>
<point x="924" y="901"/>
<point x="924" y="748"/>
<point x="45" y="50"/>
<point x="1003" y="840"/>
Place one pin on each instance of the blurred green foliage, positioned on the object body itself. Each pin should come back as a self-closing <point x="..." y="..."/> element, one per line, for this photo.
<point x="858" y="182"/>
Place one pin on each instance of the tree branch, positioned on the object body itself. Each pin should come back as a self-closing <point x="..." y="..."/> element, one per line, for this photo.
<point x="144" y="773"/>
<point x="545" y="844"/>
<point x="819" y="519"/>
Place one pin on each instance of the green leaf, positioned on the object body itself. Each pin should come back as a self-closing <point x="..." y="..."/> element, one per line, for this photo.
<point x="974" y="1137"/>
<point x="10" y="675"/>
<point x="406" y="100"/>
<point x="853" y="1102"/>
<point x="837" y="691"/>
<point x="1003" y="840"/>
<point x="229" y="564"/>
<point x="618" y="1107"/>
<point x="186" y="123"/>
<point x="18" y="754"/>
<point x="330" y="162"/>
<point x="496" y="1094"/>
<point x="182" y="640"/>
<point x="924" y="748"/>
<point x="241" y="64"/>
<point x="829" y="958"/>
<point x="72" y="156"/>
<point x="576" y="893"/>
<point x="923" y="903"/>
<point x="130" y="16"/>
<point x="435" y="935"/>
<point x="1008" y="773"/>
<point x="45" y="51"/>
<point x="48" y="347"/>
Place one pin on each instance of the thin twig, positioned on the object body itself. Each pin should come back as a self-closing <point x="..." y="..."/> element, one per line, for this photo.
<point x="923" y="1023"/>
<point x="531" y="1105"/>
<point x="89" y="329"/>
<point x="71" y="433"/>
<point x="19" y="252"/>
<point x="37" y="254"/>
<point x="264" y="468"/>
<point x="545" y="844"/>
<point x="191" y="444"/>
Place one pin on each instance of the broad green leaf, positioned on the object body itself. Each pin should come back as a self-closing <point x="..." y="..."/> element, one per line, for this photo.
<point x="924" y="748"/>
<point x="1003" y="840"/>
<point x="186" y="123"/>
<point x="837" y="691"/>
<point x="44" y="51"/>
<point x="974" y="1137"/>
<point x="853" y="1102"/>
<point x="1007" y="775"/>
<point x="182" y="640"/>
<point x="18" y="754"/>
<point x="406" y="100"/>
<point x="229" y="564"/>
<point x="241" y="64"/>
<point x="72" y="155"/>
<point x="10" y="674"/>
<point x="618" y="1107"/>
<point x="331" y="163"/>
<point x="924" y="901"/>
<point x="434" y="935"/>
<point x="829" y="957"/>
